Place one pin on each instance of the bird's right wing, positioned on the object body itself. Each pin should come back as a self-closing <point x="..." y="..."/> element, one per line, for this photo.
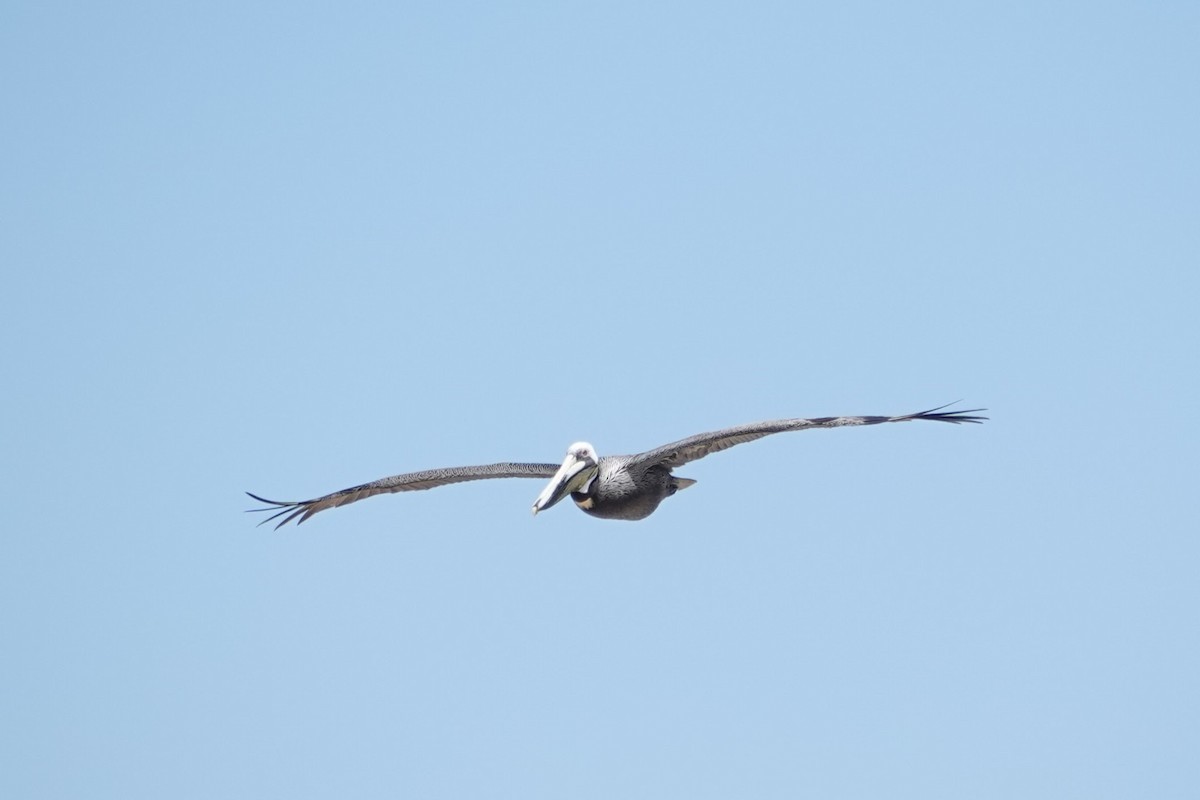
<point x="679" y="453"/>
<point x="409" y="482"/>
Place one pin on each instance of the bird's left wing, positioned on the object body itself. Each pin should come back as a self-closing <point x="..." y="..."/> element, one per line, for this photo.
<point x="702" y="444"/>
<point x="409" y="482"/>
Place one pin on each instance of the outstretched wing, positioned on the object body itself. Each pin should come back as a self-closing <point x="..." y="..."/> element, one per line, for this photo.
<point x="702" y="444"/>
<point x="409" y="482"/>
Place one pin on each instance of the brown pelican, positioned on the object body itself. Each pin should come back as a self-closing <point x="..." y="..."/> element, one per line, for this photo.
<point x="610" y="487"/>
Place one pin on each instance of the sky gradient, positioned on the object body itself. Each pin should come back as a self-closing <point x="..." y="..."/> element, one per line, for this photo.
<point x="289" y="248"/>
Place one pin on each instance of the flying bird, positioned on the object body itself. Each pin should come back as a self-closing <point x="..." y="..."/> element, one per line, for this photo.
<point x="609" y="487"/>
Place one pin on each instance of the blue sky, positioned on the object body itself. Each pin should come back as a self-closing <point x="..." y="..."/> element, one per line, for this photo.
<point x="288" y="248"/>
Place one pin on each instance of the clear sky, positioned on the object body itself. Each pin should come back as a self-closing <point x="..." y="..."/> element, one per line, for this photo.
<point x="291" y="247"/>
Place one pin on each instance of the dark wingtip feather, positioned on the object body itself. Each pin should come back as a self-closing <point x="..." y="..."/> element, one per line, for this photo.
<point x="291" y="509"/>
<point x="956" y="417"/>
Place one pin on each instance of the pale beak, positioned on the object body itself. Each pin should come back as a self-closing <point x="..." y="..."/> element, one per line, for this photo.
<point x="572" y="476"/>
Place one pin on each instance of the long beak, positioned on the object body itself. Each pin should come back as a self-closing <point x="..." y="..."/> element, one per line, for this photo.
<point x="571" y="476"/>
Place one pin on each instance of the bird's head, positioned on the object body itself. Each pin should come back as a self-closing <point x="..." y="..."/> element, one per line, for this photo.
<point x="576" y="474"/>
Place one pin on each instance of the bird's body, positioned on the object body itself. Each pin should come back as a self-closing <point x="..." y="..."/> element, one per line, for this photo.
<point x="610" y="487"/>
<point x="621" y="493"/>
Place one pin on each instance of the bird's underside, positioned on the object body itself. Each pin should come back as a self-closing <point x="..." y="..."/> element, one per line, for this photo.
<point x="611" y="487"/>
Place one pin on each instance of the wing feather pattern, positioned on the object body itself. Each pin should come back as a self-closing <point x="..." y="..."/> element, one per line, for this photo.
<point x="679" y="453"/>
<point x="408" y="482"/>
